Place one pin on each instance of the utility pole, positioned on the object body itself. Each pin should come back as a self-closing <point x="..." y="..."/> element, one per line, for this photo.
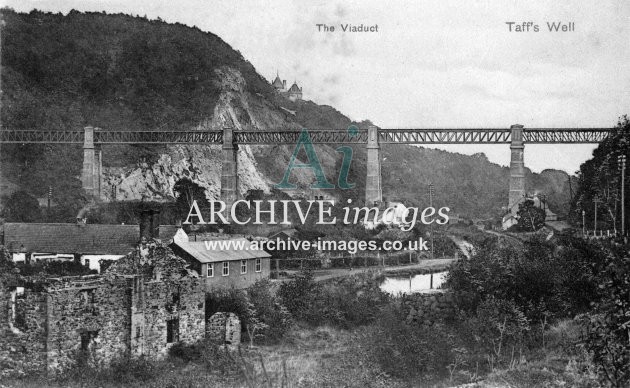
<point x="596" y="200"/>
<point x="543" y="204"/>
<point x="431" y="224"/>
<point x="583" y="222"/>
<point x="622" y="165"/>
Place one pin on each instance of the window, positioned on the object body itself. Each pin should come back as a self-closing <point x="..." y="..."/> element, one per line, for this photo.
<point x="173" y="304"/>
<point x="210" y="273"/>
<point x="258" y="265"/>
<point x="18" y="309"/>
<point x="226" y="268"/>
<point x="88" y="297"/>
<point x="172" y="331"/>
<point x="87" y="338"/>
<point x="243" y="266"/>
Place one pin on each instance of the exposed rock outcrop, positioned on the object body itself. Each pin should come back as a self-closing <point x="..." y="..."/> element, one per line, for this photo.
<point x="202" y="163"/>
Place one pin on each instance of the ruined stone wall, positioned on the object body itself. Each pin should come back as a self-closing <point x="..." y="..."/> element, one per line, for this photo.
<point x="61" y="322"/>
<point x="224" y="328"/>
<point x="88" y="320"/>
<point x="180" y="303"/>
<point x="22" y="343"/>
<point x="428" y="309"/>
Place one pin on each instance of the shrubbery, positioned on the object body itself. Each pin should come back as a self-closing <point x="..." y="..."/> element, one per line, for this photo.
<point x="508" y="294"/>
<point x="348" y="302"/>
<point x="543" y="279"/>
<point x="607" y="327"/>
<point x="260" y="312"/>
<point x="407" y="351"/>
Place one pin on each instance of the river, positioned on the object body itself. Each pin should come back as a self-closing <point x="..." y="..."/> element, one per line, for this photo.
<point x="414" y="283"/>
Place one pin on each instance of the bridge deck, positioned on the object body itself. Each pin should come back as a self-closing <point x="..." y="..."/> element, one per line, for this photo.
<point x="318" y="136"/>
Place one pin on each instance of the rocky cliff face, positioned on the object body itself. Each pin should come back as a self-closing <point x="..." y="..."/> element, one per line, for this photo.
<point x="202" y="163"/>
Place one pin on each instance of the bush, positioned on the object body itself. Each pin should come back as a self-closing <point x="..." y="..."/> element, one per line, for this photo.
<point x="407" y="351"/>
<point x="296" y="296"/>
<point x="255" y="306"/>
<point x="268" y="310"/>
<point x="607" y="334"/>
<point x="348" y="302"/>
<point x="543" y="279"/>
<point x="499" y="327"/>
<point x="226" y="300"/>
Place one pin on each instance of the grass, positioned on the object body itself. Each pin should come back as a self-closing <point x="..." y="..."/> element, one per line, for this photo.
<point x="331" y="357"/>
<point x="559" y="364"/>
<point x="308" y="357"/>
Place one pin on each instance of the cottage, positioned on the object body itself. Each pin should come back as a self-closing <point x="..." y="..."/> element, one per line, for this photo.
<point x="284" y="234"/>
<point x="225" y="263"/>
<point x="90" y="243"/>
<point x="508" y="221"/>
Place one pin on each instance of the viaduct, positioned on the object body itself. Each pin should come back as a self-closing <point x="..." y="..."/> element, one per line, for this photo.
<point x="516" y="136"/>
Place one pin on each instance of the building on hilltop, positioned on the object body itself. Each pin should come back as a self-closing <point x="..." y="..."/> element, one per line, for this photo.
<point x="293" y="93"/>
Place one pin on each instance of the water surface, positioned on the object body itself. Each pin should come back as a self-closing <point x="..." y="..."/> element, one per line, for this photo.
<point x="413" y="283"/>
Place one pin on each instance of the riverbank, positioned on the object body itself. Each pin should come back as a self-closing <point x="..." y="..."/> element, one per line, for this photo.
<point x="424" y="267"/>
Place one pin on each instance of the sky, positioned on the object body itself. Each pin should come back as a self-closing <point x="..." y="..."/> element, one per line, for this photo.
<point x="432" y="64"/>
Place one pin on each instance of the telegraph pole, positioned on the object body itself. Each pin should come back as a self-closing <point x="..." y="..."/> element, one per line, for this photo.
<point x="583" y="222"/>
<point x="596" y="200"/>
<point x="622" y="165"/>
<point x="431" y="224"/>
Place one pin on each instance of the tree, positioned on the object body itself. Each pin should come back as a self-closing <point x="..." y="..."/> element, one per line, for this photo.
<point x="22" y="207"/>
<point x="186" y="192"/>
<point x="600" y="177"/>
<point x="530" y="217"/>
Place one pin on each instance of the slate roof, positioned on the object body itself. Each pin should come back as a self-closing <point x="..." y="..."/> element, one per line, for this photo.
<point x="167" y="232"/>
<point x="198" y="250"/>
<point x="71" y="238"/>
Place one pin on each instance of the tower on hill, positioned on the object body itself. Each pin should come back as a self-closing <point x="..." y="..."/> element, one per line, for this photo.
<point x="293" y="93"/>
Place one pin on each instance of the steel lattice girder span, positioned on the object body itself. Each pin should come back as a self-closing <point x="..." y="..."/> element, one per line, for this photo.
<point x="317" y="136"/>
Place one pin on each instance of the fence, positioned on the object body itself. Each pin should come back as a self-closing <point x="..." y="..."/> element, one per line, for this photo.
<point x="600" y="234"/>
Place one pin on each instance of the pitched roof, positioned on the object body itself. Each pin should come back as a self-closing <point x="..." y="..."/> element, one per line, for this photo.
<point x="291" y="232"/>
<point x="166" y="232"/>
<point x="295" y="88"/>
<point x="201" y="253"/>
<point x="278" y="82"/>
<point x="71" y="238"/>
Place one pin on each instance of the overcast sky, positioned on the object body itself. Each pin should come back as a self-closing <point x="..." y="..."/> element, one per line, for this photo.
<point x="431" y="63"/>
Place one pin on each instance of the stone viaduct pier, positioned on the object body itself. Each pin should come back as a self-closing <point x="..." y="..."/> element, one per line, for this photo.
<point x="516" y="136"/>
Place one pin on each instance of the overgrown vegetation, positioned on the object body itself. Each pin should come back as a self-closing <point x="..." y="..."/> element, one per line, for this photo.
<point x="347" y="302"/>
<point x="125" y="72"/>
<point x="599" y="178"/>
<point x="264" y="317"/>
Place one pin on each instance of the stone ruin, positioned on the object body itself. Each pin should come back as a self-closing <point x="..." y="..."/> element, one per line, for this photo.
<point x="141" y="306"/>
<point x="224" y="329"/>
<point x="429" y="309"/>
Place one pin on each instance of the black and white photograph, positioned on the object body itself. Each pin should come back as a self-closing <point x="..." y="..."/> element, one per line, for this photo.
<point x="284" y="193"/>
